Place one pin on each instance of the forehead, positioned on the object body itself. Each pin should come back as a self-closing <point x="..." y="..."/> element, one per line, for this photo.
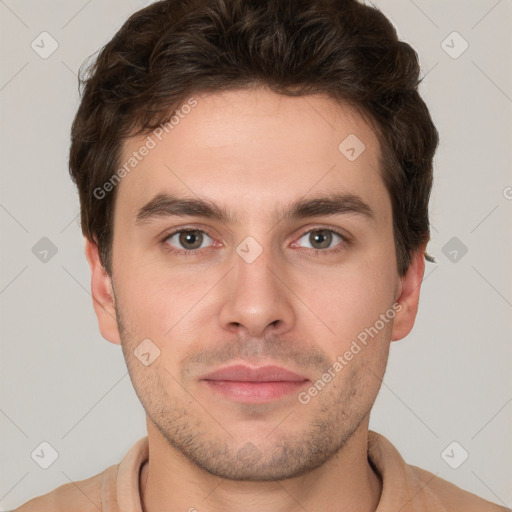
<point x="252" y="150"/>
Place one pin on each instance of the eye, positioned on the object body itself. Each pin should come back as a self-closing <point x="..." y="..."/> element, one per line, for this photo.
<point x="321" y="239"/>
<point x="188" y="239"/>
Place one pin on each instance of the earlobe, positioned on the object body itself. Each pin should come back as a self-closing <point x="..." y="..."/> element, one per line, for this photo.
<point x="102" y="294"/>
<point x="409" y="295"/>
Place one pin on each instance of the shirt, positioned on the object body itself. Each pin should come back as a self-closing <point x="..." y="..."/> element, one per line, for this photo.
<point x="405" y="488"/>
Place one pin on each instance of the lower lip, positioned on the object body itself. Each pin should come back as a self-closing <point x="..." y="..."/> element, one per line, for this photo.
<point x="255" y="392"/>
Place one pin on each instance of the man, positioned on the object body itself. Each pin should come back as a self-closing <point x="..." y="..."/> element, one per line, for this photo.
<point x="254" y="179"/>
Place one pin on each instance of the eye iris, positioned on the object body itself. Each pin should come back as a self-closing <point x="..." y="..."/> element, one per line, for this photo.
<point x="188" y="237"/>
<point x="322" y="237"/>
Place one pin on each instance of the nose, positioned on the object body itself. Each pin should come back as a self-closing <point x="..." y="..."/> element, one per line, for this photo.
<point x="257" y="298"/>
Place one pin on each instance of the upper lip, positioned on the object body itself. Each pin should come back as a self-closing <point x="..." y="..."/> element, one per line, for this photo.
<point x="244" y="373"/>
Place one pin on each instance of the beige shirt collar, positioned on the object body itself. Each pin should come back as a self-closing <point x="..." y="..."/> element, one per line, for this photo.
<point x="402" y="489"/>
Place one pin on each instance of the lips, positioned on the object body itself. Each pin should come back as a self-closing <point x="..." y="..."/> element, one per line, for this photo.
<point x="243" y="373"/>
<point x="242" y="383"/>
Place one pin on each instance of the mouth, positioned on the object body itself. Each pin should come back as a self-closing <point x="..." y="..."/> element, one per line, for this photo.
<point x="242" y="383"/>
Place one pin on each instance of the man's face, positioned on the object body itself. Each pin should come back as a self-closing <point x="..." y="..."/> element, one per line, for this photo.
<point x="208" y="299"/>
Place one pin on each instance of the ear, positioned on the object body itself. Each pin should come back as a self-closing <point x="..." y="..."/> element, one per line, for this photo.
<point x="102" y="294"/>
<point x="409" y="295"/>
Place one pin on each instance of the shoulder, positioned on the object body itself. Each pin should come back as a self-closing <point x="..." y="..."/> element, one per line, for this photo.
<point x="85" y="495"/>
<point x="450" y="496"/>
<point x="412" y="489"/>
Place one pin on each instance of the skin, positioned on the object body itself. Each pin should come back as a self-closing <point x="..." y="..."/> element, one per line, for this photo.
<point x="253" y="152"/>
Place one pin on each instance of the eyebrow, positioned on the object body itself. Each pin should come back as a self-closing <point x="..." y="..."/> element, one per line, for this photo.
<point x="166" y="205"/>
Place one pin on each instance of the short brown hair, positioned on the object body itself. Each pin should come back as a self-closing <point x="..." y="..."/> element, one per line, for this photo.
<point x="173" y="48"/>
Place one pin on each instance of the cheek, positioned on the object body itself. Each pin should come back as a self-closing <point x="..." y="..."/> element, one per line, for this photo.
<point x="347" y="300"/>
<point x="147" y="303"/>
<point x="169" y="307"/>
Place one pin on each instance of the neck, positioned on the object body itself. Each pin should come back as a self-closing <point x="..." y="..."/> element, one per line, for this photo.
<point x="170" y="482"/>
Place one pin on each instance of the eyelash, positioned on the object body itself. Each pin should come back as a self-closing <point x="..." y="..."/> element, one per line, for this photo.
<point x="315" y="252"/>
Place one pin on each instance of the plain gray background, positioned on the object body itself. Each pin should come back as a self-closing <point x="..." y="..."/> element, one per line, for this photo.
<point x="449" y="380"/>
